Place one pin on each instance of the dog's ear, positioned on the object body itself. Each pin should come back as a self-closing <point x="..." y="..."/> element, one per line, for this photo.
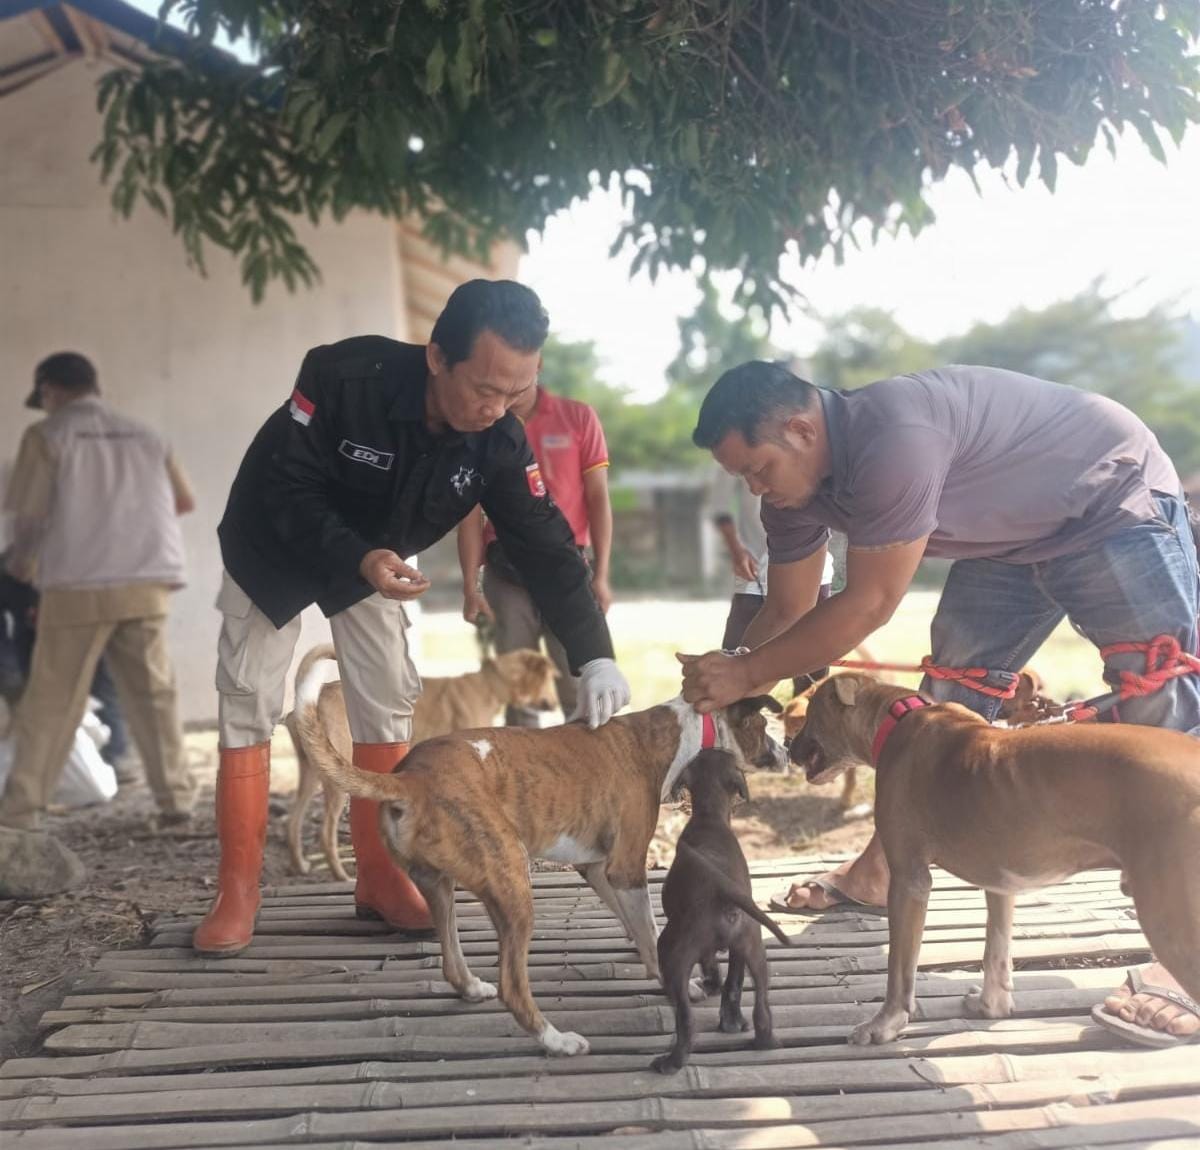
<point x="736" y="784"/>
<point x="754" y="704"/>
<point x="846" y="689"/>
<point x="683" y="782"/>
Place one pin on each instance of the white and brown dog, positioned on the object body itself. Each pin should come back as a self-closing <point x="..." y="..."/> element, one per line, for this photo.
<point x="463" y="702"/>
<point x="474" y="807"/>
<point x="1012" y="810"/>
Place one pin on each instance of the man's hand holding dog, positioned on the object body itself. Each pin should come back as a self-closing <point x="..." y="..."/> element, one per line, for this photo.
<point x="715" y="680"/>
<point x="391" y="576"/>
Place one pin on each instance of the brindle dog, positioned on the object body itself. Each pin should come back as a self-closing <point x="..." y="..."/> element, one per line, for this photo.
<point x="472" y="808"/>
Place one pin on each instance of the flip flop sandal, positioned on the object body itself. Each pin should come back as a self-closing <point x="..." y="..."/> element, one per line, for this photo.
<point x="842" y="901"/>
<point x="1147" y="1035"/>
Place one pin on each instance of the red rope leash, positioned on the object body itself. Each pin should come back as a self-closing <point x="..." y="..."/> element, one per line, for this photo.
<point x="869" y="665"/>
<point x="1165" y="660"/>
<point x="968" y="676"/>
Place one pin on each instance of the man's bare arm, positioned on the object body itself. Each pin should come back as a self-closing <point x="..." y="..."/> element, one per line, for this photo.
<point x="600" y="526"/>
<point x="792" y="590"/>
<point x="876" y="582"/>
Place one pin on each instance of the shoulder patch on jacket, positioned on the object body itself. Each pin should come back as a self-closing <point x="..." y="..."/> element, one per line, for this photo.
<point x="301" y="407"/>
<point x="533" y="476"/>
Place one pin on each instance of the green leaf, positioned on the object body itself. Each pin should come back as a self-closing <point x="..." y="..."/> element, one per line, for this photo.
<point x="329" y="133"/>
<point x="1145" y="129"/>
<point x="435" y="69"/>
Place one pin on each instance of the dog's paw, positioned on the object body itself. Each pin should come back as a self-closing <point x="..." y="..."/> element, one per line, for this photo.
<point x="696" y="990"/>
<point x="988" y="1003"/>
<point x="477" y="990"/>
<point x="884" y="1027"/>
<point x="667" y="1064"/>
<point x="733" y="1023"/>
<point x="766" y="1041"/>
<point x="565" y="1042"/>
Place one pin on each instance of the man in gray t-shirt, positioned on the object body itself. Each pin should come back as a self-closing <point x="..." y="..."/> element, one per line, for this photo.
<point x="1051" y="501"/>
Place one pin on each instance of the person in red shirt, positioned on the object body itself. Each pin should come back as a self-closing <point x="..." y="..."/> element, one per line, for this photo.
<point x="568" y="443"/>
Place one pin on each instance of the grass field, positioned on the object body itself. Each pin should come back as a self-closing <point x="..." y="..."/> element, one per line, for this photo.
<point x="647" y="633"/>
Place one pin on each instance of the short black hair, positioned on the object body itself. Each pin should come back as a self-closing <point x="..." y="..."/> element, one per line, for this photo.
<point x="505" y="307"/>
<point x="66" y="369"/>
<point x="747" y="396"/>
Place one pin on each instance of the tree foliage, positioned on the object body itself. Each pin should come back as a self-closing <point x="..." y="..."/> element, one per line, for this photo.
<point x="1135" y="360"/>
<point x="652" y="436"/>
<point x="1082" y="341"/>
<point x="715" y="338"/>
<point x="734" y="128"/>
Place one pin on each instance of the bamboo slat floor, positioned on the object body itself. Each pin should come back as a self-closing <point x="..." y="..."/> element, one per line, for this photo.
<point x="330" y="1033"/>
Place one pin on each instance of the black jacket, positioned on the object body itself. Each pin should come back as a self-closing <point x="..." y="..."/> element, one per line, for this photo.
<point x="347" y="465"/>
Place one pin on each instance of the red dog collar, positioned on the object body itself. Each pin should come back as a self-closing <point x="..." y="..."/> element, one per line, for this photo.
<point x="708" y="732"/>
<point x="896" y="712"/>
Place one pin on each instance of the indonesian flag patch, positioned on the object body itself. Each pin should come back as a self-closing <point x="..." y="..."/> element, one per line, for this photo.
<point x="302" y="408"/>
<point x="533" y="476"/>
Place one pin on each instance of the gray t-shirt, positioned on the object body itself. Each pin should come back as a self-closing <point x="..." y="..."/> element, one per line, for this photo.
<point x="990" y="464"/>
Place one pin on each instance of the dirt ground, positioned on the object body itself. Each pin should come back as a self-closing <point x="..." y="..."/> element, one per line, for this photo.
<point x="137" y="872"/>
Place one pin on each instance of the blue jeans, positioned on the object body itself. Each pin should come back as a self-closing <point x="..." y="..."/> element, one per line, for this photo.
<point x="1138" y="583"/>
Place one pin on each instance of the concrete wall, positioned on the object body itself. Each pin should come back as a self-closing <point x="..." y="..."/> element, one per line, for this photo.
<point x="191" y="356"/>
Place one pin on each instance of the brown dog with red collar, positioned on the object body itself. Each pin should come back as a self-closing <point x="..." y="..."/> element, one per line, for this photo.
<point x="1012" y="810"/>
<point x="472" y="808"/>
<point x="1028" y="704"/>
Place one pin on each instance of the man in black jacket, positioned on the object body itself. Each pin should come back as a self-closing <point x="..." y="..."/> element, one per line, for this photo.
<point x="381" y="449"/>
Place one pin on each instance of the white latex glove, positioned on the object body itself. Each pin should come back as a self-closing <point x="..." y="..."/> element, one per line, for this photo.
<point x="603" y="691"/>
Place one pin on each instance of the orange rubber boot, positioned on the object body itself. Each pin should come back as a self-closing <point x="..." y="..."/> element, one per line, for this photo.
<point x="242" y="781"/>
<point x="382" y="889"/>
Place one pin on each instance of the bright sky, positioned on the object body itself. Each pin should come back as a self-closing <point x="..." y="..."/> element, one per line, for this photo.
<point x="1131" y="220"/>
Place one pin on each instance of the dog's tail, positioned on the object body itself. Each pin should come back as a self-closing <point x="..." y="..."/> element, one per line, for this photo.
<point x="730" y="892"/>
<point x="318" y="745"/>
<point x="309" y="680"/>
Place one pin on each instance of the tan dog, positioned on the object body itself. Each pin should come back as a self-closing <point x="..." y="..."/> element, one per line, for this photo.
<point x="464" y="702"/>
<point x="794" y="712"/>
<point x="1011" y="810"/>
<point x="474" y="807"/>
<point x="1028" y="705"/>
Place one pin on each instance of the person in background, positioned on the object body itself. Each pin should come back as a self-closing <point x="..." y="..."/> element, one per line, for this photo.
<point x="738" y="517"/>
<point x="568" y="443"/>
<point x="95" y="498"/>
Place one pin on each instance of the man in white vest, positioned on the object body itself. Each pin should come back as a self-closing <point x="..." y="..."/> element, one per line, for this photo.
<point x="95" y="498"/>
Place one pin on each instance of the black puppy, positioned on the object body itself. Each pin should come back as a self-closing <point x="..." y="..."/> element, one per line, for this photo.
<point x="710" y="907"/>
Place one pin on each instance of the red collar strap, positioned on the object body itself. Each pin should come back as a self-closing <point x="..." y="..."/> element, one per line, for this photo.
<point x="896" y="712"/>
<point x="708" y="732"/>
